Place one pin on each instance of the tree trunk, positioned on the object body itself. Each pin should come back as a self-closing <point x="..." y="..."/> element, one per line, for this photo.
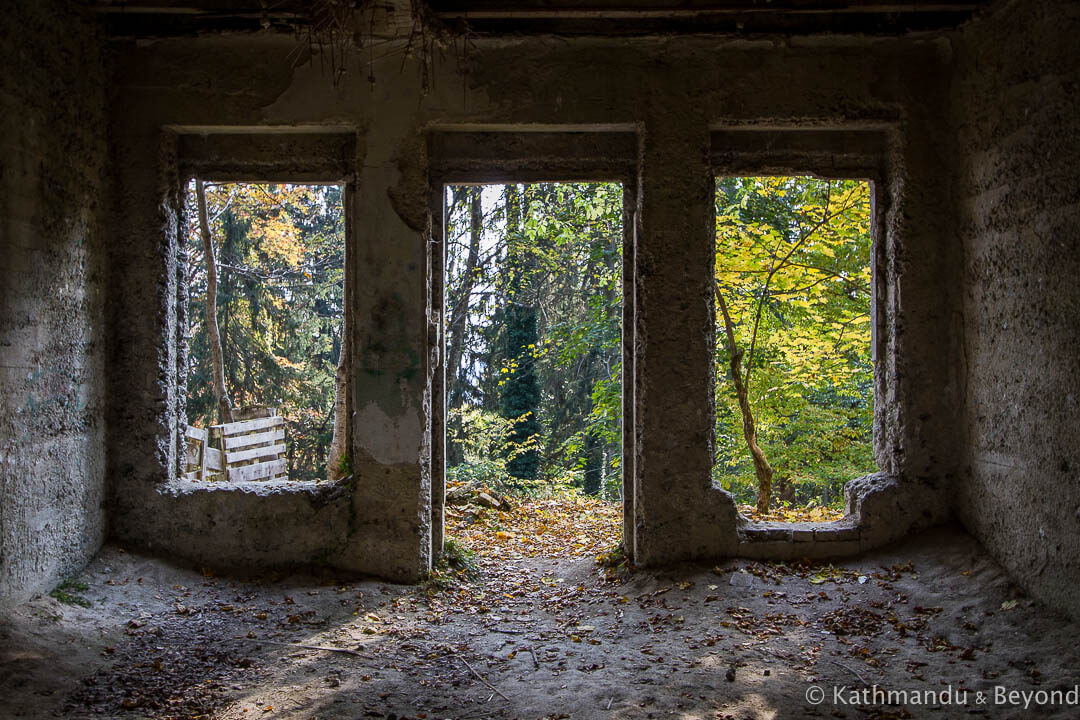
<point x="594" y="448"/>
<point x="335" y="468"/>
<point x="594" y="465"/>
<point x="459" y="317"/>
<point x="217" y="371"/>
<point x="762" y="468"/>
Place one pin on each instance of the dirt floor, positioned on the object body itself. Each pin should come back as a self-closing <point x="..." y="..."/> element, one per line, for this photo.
<point x="539" y="629"/>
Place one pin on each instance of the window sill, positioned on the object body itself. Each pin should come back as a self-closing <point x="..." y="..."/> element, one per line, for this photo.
<point x="266" y="488"/>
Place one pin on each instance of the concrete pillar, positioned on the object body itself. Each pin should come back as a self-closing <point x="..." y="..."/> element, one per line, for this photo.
<point x="391" y="495"/>
<point x="678" y="515"/>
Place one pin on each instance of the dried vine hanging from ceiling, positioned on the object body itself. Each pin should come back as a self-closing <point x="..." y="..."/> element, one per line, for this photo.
<point x="330" y="28"/>
<point x="333" y="27"/>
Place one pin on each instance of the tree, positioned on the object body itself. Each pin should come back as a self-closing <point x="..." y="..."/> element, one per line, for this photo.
<point x="548" y="256"/>
<point x="278" y="263"/>
<point x="457" y="313"/>
<point x="577" y="230"/>
<point x="217" y="368"/>
<point x="762" y="468"/>
<point x="793" y="291"/>
<point x="519" y="399"/>
<point x="337" y="462"/>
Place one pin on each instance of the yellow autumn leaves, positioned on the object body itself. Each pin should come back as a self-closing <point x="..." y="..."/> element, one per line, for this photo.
<point x="793" y="267"/>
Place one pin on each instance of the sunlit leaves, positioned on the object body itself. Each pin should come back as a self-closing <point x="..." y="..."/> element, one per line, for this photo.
<point x="793" y="262"/>
<point x="564" y="260"/>
<point x="280" y="253"/>
<point x="564" y="523"/>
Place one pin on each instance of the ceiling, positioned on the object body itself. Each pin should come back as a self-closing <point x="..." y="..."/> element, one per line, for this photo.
<point x="564" y="17"/>
<point x="729" y="17"/>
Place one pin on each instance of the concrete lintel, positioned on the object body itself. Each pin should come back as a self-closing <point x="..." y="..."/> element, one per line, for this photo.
<point x="266" y="157"/>
<point x="828" y="152"/>
<point x="518" y="156"/>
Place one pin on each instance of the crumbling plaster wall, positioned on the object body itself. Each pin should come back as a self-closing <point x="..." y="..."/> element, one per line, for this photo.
<point x="671" y="92"/>
<point x="52" y="181"/>
<point x="1018" y="170"/>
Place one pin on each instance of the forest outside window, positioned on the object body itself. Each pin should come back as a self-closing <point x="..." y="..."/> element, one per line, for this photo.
<point x="533" y="309"/>
<point x="265" y="335"/>
<point x="794" y="391"/>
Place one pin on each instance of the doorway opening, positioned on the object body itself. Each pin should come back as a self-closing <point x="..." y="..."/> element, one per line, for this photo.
<point x="264" y="332"/>
<point x="533" y="369"/>
<point x="794" y="391"/>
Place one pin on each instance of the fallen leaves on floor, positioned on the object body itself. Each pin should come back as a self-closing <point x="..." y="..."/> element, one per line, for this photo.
<point x="535" y="611"/>
<point x="568" y="524"/>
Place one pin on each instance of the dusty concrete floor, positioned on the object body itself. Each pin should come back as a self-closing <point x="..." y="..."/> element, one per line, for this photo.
<point x="552" y="637"/>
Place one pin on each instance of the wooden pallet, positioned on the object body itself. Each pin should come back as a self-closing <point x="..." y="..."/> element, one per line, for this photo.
<point x="201" y="460"/>
<point x="254" y="449"/>
<point x="245" y="450"/>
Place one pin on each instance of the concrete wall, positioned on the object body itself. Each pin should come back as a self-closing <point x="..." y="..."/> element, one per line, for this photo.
<point x="52" y="180"/>
<point x="672" y="94"/>
<point x="976" y="278"/>
<point x="1018" y="163"/>
<point x="976" y="322"/>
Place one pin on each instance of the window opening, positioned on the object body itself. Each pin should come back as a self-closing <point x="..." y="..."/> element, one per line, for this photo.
<point x="533" y="310"/>
<point x="265" y="384"/>
<point x="794" y="391"/>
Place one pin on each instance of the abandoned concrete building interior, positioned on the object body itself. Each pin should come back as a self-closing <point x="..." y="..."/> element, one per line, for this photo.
<point x="951" y="580"/>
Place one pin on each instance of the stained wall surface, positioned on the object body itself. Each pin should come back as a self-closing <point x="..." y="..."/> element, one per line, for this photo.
<point x="52" y="355"/>
<point x="672" y="94"/>
<point x="1018" y="163"/>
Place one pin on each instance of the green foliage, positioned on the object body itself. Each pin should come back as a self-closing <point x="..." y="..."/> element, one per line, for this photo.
<point x="613" y="558"/>
<point x="280" y="252"/>
<point x="69" y="593"/>
<point x="538" y="284"/>
<point x="345" y="468"/>
<point x="489" y="446"/>
<point x="456" y="563"/>
<point x="793" y="262"/>
<point x="519" y="397"/>
<point x="542" y="321"/>
<point x="456" y="556"/>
